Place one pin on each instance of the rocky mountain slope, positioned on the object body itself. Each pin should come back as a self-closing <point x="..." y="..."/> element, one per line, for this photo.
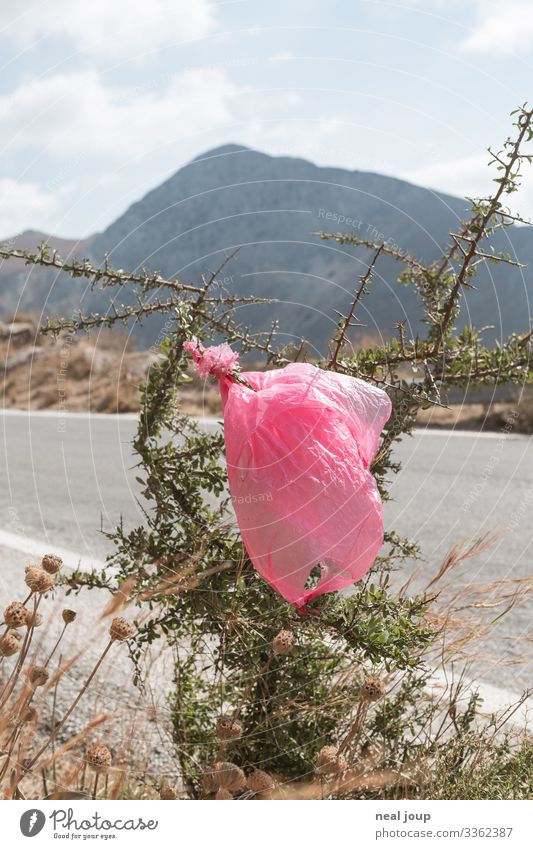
<point x="270" y="208"/>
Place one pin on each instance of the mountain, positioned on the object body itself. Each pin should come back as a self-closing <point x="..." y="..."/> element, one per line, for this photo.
<point x="270" y="207"/>
<point x="39" y="290"/>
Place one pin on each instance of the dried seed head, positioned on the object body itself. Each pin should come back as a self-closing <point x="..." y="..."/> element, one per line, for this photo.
<point x="260" y="782"/>
<point x="229" y="776"/>
<point x="232" y="622"/>
<point x="33" y="620"/>
<point x="29" y="715"/>
<point x="283" y="643"/>
<point x="38" y="580"/>
<point x="51" y="563"/>
<point x="341" y="763"/>
<point x="209" y="782"/>
<point x="329" y="761"/>
<point x="98" y="757"/>
<point x="68" y="616"/>
<point x="372" y="688"/>
<point x="120" y="629"/>
<point x="168" y="792"/>
<point x="228" y="728"/>
<point x="9" y="645"/>
<point x="37" y="676"/>
<point x="223" y="794"/>
<point x="31" y="570"/>
<point x="15" y="615"/>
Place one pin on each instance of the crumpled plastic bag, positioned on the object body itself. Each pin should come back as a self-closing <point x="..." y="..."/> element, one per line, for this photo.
<point x="299" y="443"/>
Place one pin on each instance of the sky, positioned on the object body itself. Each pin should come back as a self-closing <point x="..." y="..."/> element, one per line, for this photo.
<point x="101" y="101"/>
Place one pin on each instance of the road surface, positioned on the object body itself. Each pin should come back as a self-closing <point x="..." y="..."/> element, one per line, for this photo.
<point x="67" y="478"/>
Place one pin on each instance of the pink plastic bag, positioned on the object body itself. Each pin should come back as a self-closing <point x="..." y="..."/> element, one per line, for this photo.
<point x="298" y="449"/>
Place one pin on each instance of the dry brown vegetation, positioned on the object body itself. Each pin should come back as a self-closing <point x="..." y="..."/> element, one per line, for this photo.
<point x="43" y="755"/>
<point x="102" y="374"/>
<point x="502" y="416"/>
<point x="73" y="374"/>
<point x="35" y="757"/>
<point x="99" y="373"/>
<point x="72" y="725"/>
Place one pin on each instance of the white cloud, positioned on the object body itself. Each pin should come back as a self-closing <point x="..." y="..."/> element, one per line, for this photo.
<point x="468" y="175"/>
<point x="501" y="27"/>
<point x="111" y="27"/>
<point x="75" y="115"/>
<point x="283" y="56"/>
<point x="497" y="28"/>
<point x="471" y="177"/>
<point x="23" y="203"/>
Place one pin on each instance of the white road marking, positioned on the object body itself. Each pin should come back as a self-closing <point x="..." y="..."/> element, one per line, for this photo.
<point x="203" y="421"/>
<point x="60" y="414"/>
<point x="212" y="420"/>
<point x="473" y="434"/>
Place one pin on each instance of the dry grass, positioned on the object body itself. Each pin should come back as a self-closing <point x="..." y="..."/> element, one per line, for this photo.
<point x="39" y="759"/>
<point x="461" y="619"/>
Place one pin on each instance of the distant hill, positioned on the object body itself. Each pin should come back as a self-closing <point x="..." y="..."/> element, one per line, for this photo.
<point x="270" y="207"/>
<point x="37" y="290"/>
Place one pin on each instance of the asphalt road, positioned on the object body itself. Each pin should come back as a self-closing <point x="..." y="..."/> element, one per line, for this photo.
<point x="65" y="479"/>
